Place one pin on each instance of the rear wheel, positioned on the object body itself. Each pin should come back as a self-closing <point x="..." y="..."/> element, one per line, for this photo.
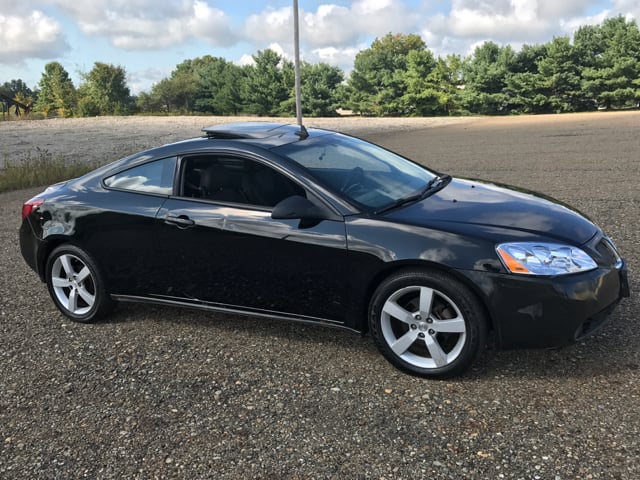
<point x="427" y="323"/>
<point x="75" y="284"/>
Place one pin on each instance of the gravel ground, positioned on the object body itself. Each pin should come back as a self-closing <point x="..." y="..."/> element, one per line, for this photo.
<point x="155" y="392"/>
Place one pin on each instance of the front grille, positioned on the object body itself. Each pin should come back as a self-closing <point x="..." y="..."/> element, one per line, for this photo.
<point x="608" y="252"/>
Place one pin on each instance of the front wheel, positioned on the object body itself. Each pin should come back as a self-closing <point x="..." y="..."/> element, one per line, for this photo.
<point x="75" y="284"/>
<point x="427" y="323"/>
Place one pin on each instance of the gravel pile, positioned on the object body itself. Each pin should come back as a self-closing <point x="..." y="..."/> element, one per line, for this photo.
<point x="155" y="392"/>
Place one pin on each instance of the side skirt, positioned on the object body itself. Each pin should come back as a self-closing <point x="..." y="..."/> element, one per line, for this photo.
<point x="223" y="308"/>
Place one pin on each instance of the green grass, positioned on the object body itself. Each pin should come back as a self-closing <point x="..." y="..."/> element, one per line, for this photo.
<point x="39" y="169"/>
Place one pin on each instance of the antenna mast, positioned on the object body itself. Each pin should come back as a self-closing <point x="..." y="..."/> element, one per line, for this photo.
<point x="296" y="41"/>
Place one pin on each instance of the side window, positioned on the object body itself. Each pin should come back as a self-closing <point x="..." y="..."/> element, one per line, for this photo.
<point x="152" y="177"/>
<point x="235" y="180"/>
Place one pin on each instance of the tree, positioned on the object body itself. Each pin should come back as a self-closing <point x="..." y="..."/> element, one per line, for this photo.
<point x="485" y="75"/>
<point x="321" y="89"/>
<point x="611" y="54"/>
<point x="19" y="91"/>
<point x="105" y="91"/>
<point x="219" y="86"/>
<point x="377" y="82"/>
<point x="57" y="94"/>
<point x="426" y="80"/>
<point x="184" y="86"/>
<point x="268" y="83"/>
<point x="176" y="93"/>
<point x="146" y="103"/>
<point x="17" y="87"/>
<point x="525" y="84"/>
<point x="561" y="73"/>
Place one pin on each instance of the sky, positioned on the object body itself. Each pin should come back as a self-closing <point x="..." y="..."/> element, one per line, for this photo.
<point x="150" y="37"/>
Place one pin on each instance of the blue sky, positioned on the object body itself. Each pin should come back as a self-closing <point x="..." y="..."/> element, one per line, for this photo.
<point x="150" y="37"/>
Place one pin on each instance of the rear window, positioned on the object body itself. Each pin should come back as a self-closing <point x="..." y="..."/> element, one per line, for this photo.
<point x="152" y="177"/>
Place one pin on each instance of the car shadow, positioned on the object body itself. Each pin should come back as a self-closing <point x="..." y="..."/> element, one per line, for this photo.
<point x="264" y="329"/>
<point x="614" y="349"/>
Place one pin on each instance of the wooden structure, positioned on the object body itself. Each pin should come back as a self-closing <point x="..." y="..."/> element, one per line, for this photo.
<point x="8" y="103"/>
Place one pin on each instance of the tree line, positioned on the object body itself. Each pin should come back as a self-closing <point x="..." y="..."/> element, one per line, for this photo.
<point x="396" y="76"/>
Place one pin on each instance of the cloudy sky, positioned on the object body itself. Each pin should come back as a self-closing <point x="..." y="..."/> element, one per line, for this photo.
<point x="150" y="37"/>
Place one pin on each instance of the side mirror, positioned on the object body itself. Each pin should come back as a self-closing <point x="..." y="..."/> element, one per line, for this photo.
<point x="297" y="207"/>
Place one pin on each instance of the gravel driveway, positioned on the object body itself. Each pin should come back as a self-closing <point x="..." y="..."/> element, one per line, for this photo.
<point x="155" y="392"/>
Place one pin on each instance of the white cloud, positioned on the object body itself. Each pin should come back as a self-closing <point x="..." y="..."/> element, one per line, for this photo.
<point x="151" y="25"/>
<point x="332" y="25"/>
<point x="276" y="47"/>
<point x="30" y="35"/>
<point x="513" y="22"/>
<point x="570" y="25"/>
<point x="271" y="25"/>
<point x="329" y="32"/>
<point x="246" y="59"/>
<point x="628" y="8"/>
<point x="332" y="33"/>
<point x="502" y="21"/>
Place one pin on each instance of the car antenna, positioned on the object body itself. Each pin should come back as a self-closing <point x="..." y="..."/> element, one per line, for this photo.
<point x="296" y="41"/>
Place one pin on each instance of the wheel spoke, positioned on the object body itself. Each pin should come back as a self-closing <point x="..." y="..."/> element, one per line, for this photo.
<point x="60" y="282"/>
<point x="403" y="343"/>
<point x="86" y="296"/>
<point x="426" y="299"/>
<point x="84" y="273"/>
<point x="394" y="310"/>
<point x="73" y="300"/>
<point x="437" y="354"/>
<point x="65" y="260"/>
<point x="454" y="325"/>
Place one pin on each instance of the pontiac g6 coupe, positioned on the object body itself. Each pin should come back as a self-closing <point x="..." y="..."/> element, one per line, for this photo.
<point x="278" y="221"/>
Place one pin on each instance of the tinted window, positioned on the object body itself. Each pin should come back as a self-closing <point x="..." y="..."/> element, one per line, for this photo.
<point x="235" y="180"/>
<point x="152" y="177"/>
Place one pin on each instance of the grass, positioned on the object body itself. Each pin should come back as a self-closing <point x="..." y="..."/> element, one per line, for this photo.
<point x="38" y="169"/>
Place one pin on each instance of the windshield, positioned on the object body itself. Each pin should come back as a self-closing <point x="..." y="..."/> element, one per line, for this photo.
<point x="365" y="174"/>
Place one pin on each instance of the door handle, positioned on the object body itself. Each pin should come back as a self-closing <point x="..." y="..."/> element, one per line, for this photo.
<point x="182" y="221"/>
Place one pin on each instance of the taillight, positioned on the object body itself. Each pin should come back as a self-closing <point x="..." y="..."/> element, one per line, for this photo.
<point x="30" y="206"/>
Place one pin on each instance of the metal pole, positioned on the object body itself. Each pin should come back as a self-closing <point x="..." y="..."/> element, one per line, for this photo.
<point x="296" y="40"/>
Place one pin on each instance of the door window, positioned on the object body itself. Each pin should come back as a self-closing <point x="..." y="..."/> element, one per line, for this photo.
<point x="235" y="180"/>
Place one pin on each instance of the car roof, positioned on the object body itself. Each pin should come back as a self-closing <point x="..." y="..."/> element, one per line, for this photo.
<point x="264" y="134"/>
<point x="239" y="136"/>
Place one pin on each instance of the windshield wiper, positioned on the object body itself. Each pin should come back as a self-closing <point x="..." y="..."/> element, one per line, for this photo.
<point x="435" y="184"/>
<point x="432" y="186"/>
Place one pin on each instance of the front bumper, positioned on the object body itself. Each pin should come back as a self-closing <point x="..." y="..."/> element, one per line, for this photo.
<point x="536" y="312"/>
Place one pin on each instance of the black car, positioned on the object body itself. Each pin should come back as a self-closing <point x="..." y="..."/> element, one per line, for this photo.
<point x="311" y="225"/>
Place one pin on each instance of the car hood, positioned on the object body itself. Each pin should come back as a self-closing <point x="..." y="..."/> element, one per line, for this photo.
<point x="475" y="203"/>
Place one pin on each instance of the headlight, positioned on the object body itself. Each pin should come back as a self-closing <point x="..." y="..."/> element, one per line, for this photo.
<point x="529" y="258"/>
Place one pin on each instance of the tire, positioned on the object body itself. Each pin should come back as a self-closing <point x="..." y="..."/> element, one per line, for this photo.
<point x="427" y="323"/>
<point x="76" y="285"/>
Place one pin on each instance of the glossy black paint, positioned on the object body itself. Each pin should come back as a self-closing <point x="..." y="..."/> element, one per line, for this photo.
<point x="231" y="257"/>
<point x="250" y="259"/>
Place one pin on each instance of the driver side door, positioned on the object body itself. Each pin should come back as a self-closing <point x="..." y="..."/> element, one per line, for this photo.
<point x="225" y="250"/>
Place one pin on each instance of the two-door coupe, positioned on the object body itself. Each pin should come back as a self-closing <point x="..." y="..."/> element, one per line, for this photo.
<point x="283" y="222"/>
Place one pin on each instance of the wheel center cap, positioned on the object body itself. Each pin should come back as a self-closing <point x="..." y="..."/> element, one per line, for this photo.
<point x="423" y="326"/>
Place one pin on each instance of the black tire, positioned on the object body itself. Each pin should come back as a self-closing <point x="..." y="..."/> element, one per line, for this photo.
<point x="76" y="285"/>
<point x="440" y="340"/>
